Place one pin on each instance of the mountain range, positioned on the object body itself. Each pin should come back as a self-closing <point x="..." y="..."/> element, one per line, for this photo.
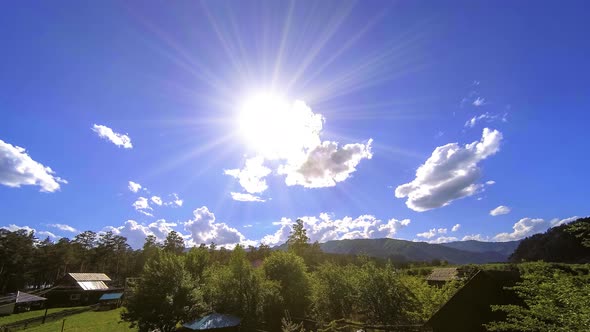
<point x="459" y="252"/>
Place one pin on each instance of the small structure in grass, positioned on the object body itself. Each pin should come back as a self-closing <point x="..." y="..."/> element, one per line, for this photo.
<point x="441" y="276"/>
<point x="21" y="302"/>
<point x="214" y="322"/>
<point x="110" y="301"/>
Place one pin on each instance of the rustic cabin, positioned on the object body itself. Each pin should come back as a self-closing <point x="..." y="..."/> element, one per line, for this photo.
<point x="469" y="308"/>
<point x="76" y="289"/>
<point x="441" y="276"/>
<point x="20" y="302"/>
<point x="214" y="322"/>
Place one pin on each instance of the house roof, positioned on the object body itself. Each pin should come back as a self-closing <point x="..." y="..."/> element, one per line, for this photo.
<point x="89" y="276"/>
<point x="213" y="321"/>
<point x="22" y="297"/>
<point x="110" y="296"/>
<point x="443" y="274"/>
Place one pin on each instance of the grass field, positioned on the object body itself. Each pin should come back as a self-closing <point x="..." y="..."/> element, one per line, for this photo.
<point x="31" y="314"/>
<point x="90" y="321"/>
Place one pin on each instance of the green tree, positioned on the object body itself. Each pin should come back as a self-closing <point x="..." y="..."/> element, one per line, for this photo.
<point x="554" y="300"/>
<point x="165" y="295"/>
<point x="383" y="299"/>
<point x="334" y="293"/>
<point x="174" y="243"/>
<point x="289" y="271"/>
<point x="298" y="240"/>
<point x="197" y="259"/>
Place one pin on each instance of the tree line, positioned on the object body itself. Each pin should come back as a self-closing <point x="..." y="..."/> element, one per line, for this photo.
<point x="178" y="287"/>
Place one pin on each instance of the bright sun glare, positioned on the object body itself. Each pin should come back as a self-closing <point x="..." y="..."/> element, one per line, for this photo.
<point x="275" y="128"/>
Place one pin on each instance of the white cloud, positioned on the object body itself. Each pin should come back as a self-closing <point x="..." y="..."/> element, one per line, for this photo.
<point x="490" y="182"/>
<point x="444" y="239"/>
<point x="479" y="101"/>
<point x="14" y="228"/>
<point x="115" y="138"/>
<point x="289" y="134"/>
<point x="134" y="186"/>
<point x="450" y="173"/>
<point x="427" y="235"/>
<point x="456" y="227"/>
<point x="327" y="165"/>
<point x="557" y="222"/>
<point x="432" y="233"/>
<point x="242" y="197"/>
<point x="64" y="227"/>
<point x="486" y="117"/>
<point x="204" y="229"/>
<point x="247" y="226"/>
<point x="251" y="177"/>
<point x="136" y="232"/>
<point x="141" y="205"/>
<point x="522" y="228"/>
<point x="156" y="200"/>
<point x="41" y="235"/>
<point x="17" y="169"/>
<point x="325" y="228"/>
<point x="500" y="210"/>
<point x="176" y="201"/>
<point x="475" y="237"/>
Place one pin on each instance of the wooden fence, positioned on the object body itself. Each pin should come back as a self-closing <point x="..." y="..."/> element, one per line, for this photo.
<point x="35" y="321"/>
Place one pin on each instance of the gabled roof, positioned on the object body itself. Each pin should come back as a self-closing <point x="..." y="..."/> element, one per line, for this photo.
<point x="213" y="321"/>
<point x="22" y="297"/>
<point x="443" y="274"/>
<point x="89" y="276"/>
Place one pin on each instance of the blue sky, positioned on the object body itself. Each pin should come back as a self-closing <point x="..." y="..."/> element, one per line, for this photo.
<point x="369" y="119"/>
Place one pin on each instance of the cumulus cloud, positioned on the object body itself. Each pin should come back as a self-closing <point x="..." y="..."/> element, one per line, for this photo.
<point x="490" y="182"/>
<point x="486" y="117"/>
<point x="326" y="228"/>
<point x="203" y="229"/>
<point x="450" y="173"/>
<point x="474" y="237"/>
<point x="327" y="165"/>
<point x="156" y="200"/>
<point x="17" y="168"/>
<point x="134" y="186"/>
<point x="456" y="227"/>
<point x="136" y="232"/>
<point x="500" y="210"/>
<point x="115" y="138"/>
<point x="64" y="227"/>
<point x="522" y="228"/>
<point x="444" y="239"/>
<point x="290" y="135"/>
<point x="242" y="197"/>
<point x="142" y="205"/>
<point x="251" y="177"/>
<point x="38" y="234"/>
<point x="432" y="233"/>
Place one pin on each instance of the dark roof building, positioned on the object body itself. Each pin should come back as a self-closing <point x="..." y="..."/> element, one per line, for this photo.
<point x="469" y="308"/>
<point x="79" y="289"/>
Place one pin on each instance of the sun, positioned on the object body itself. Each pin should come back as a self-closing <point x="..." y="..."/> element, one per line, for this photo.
<point x="275" y="128"/>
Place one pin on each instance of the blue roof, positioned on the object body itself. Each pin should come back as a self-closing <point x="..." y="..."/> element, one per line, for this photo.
<point x="111" y="296"/>
<point x="213" y="321"/>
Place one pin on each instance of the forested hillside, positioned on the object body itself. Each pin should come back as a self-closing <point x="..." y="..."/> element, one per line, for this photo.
<point x="565" y="243"/>
<point x="404" y="251"/>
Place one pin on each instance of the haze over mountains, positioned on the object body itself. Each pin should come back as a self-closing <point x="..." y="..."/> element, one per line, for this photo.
<point x="459" y="252"/>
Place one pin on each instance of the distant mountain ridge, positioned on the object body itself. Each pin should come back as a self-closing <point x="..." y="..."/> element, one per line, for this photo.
<point x="459" y="252"/>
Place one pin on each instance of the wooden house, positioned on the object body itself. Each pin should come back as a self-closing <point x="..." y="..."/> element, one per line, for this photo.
<point x="79" y="289"/>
